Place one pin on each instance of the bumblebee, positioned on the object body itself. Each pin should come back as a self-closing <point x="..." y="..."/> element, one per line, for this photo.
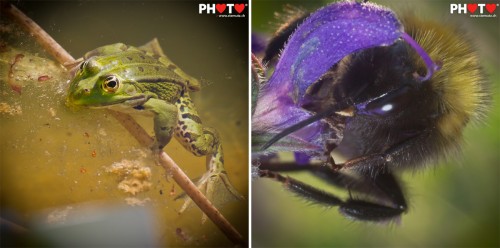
<point x="392" y="118"/>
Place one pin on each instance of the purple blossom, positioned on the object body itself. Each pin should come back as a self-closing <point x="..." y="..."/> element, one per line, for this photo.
<point x="323" y="39"/>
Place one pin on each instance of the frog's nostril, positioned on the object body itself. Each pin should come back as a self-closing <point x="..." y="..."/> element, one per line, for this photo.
<point x="79" y="94"/>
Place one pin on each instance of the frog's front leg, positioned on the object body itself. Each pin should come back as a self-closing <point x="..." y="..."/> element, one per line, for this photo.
<point x="203" y="141"/>
<point x="165" y="119"/>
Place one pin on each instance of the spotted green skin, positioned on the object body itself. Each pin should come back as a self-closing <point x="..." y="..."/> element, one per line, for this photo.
<point x="149" y="83"/>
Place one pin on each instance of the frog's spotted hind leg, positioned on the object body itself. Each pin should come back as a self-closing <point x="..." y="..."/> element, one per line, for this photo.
<point x="203" y="141"/>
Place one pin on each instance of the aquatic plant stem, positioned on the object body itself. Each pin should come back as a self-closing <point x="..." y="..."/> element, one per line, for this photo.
<point x="63" y="57"/>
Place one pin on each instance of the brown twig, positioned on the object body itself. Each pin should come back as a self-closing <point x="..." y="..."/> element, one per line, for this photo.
<point x="13" y="227"/>
<point x="63" y="57"/>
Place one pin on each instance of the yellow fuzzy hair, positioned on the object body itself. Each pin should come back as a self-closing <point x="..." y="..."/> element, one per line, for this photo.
<point x="460" y="81"/>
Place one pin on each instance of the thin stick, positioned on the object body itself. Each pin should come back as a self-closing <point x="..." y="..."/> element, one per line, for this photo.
<point x="63" y="57"/>
<point x="33" y="29"/>
<point x="11" y="226"/>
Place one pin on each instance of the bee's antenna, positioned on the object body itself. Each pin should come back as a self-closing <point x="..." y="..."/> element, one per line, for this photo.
<point x="301" y="124"/>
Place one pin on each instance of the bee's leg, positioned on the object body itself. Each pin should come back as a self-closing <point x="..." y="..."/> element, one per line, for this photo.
<point x="387" y="198"/>
<point x="303" y="190"/>
<point x="386" y="202"/>
<point x="404" y="154"/>
<point x="367" y="165"/>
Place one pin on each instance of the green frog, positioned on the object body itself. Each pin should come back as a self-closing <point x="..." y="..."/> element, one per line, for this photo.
<point x="143" y="80"/>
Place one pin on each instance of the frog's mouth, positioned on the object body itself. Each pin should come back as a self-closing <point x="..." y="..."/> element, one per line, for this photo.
<point x="127" y="101"/>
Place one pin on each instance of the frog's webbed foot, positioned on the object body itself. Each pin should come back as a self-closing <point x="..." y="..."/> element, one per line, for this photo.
<point x="215" y="185"/>
<point x="156" y="152"/>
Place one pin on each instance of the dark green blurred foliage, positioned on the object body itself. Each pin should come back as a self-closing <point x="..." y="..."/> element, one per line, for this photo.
<point x="453" y="204"/>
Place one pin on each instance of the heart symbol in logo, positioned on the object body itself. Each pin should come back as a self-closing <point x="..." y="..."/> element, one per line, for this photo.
<point x="472" y="7"/>
<point x="239" y="8"/>
<point x="490" y="7"/>
<point x="222" y="6"/>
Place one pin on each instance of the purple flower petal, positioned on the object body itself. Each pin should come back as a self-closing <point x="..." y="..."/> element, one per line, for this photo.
<point x="302" y="158"/>
<point x="322" y="40"/>
<point x="327" y="36"/>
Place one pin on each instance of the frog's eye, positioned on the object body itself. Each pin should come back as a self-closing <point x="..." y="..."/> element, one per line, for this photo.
<point x="111" y="84"/>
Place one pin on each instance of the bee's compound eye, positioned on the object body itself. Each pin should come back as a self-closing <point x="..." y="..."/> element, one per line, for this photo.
<point x="391" y="103"/>
<point x="111" y="84"/>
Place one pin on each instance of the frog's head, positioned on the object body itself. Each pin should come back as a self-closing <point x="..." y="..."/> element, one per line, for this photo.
<point x="95" y="85"/>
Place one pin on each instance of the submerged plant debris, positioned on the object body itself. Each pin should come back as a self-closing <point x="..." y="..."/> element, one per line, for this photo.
<point x="24" y="64"/>
<point x="134" y="176"/>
